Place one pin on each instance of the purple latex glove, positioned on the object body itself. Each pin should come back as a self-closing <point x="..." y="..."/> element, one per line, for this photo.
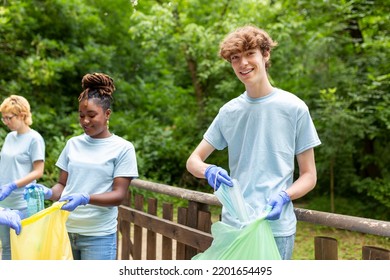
<point x="11" y="218"/>
<point x="5" y="190"/>
<point x="74" y="200"/>
<point x="277" y="202"/>
<point x="216" y="175"/>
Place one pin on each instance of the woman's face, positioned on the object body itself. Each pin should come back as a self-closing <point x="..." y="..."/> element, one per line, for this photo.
<point x="93" y="119"/>
<point x="13" y="122"/>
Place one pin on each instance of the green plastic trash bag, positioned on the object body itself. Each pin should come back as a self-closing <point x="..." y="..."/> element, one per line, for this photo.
<point x="253" y="241"/>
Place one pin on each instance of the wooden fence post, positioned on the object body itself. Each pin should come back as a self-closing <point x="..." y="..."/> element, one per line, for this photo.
<point x="124" y="243"/>
<point x="375" y="253"/>
<point x="325" y="248"/>
<point x="192" y="221"/>
<point x="151" y="237"/>
<point x="181" y="219"/>
<point x="137" y="252"/>
<point x="167" y="242"/>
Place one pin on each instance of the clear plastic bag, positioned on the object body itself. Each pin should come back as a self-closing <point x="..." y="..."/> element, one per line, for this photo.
<point x="233" y="200"/>
<point x="253" y="241"/>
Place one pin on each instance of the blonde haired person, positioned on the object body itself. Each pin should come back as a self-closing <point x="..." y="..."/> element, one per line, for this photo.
<point x="21" y="160"/>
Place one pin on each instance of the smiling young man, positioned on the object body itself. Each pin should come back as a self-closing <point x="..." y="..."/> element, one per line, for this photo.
<point x="264" y="129"/>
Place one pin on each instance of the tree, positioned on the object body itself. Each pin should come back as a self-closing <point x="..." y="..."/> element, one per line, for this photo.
<point x="163" y="56"/>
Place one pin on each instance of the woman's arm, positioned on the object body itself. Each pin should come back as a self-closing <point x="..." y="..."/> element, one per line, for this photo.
<point x="114" y="197"/>
<point x="35" y="174"/>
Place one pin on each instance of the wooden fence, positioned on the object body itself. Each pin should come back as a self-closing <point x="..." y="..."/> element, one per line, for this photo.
<point x="188" y="233"/>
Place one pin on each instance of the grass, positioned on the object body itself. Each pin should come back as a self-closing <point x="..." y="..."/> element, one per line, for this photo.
<point x="349" y="243"/>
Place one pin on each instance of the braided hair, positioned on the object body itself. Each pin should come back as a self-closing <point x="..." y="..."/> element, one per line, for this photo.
<point x="99" y="86"/>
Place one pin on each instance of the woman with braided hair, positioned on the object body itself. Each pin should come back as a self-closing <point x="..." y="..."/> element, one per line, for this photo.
<point x="96" y="169"/>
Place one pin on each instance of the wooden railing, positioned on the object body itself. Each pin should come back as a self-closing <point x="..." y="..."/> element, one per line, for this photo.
<point x="188" y="233"/>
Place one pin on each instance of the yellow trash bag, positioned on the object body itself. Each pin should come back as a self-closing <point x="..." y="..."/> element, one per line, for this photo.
<point x="43" y="236"/>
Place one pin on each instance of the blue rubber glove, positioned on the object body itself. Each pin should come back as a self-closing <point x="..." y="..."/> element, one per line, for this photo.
<point x="277" y="203"/>
<point x="47" y="192"/>
<point x="74" y="200"/>
<point x="11" y="218"/>
<point x="216" y="175"/>
<point x="5" y="190"/>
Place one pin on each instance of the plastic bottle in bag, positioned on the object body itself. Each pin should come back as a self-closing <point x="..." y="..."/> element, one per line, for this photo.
<point x="35" y="200"/>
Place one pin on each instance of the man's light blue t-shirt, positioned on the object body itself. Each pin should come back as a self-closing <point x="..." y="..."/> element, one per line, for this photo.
<point x="18" y="154"/>
<point x="263" y="136"/>
<point x="92" y="164"/>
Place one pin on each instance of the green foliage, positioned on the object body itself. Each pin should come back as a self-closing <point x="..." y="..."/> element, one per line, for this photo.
<point x="379" y="189"/>
<point x="366" y="208"/>
<point x="163" y="56"/>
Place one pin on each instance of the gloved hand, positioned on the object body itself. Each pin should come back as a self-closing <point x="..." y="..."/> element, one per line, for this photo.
<point x="74" y="200"/>
<point x="216" y="175"/>
<point x="47" y="193"/>
<point x="11" y="218"/>
<point x="5" y="190"/>
<point x="277" y="202"/>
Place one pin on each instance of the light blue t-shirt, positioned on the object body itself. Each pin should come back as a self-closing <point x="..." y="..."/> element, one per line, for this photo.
<point x="263" y="136"/>
<point x="92" y="164"/>
<point x="18" y="154"/>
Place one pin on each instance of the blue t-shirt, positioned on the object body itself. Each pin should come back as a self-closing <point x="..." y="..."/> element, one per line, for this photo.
<point x="263" y="136"/>
<point x="92" y="164"/>
<point x="18" y="154"/>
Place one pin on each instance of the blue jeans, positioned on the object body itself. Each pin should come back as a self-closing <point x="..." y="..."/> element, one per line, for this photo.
<point x="5" y="238"/>
<point x="285" y="246"/>
<point x="5" y="243"/>
<point x="93" y="247"/>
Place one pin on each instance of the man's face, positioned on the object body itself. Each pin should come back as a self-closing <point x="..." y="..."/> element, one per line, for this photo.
<point x="249" y="66"/>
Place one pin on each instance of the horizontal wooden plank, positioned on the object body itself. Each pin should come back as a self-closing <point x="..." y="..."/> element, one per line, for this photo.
<point x="190" y="195"/>
<point x="358" y="224"/>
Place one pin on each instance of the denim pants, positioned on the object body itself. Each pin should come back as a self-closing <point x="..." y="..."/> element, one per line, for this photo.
<point x="5" y="238"/>
<point x="285" y="246"/>
<point x="93" y="247"/>
<point x="5" y="243"/>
